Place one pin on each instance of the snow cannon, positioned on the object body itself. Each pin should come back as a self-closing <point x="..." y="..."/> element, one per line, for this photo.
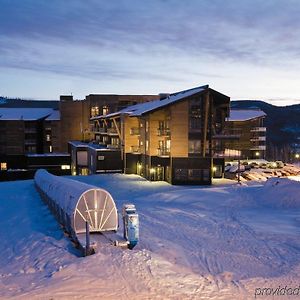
<point x="131" y="225"/>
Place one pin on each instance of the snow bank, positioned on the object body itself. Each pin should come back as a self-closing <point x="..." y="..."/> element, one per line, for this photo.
<point x="282" y="192"/>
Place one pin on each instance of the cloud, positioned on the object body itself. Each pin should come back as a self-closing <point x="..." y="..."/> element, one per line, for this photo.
<point x="167" y="40"/>
<point x="253" y="30"/>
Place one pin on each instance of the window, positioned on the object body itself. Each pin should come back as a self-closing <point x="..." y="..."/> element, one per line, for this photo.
<point x="94" y="111"/>
<point x="206" y="175"/>
<point x="104" y="110"/>
<point x="195" y="115"/>
<point x="3" y="166"/>
<point x="115" y="141"/>
<point x="195" y="174"/>
<point x="181" y="174"/>
<point x="48" y="137"/>
<point x="164" y="147"/>
<point x="65" y="167"/>
<point x="194" y="146"/>
<point x="50" y="149"/>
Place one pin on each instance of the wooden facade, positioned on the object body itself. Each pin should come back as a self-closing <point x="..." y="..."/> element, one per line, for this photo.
<point x="172" y="142"/>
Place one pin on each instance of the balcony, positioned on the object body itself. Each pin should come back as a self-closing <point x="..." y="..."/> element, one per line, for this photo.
<point x="98" y="130"/>
<point x="30" y="142"/>
<point x="135" y="149"/>
<point x="134" y="131"/>
<point x="258" y="129"/>
<point x="112" y="146"/>
<point x="257" y="148"/>
<point x="163" y="152"/>
<point x="112" y="131"/>
<point x="30" y="130"/>
<point x="163" y="132"/>
<point x="258" y="139"/>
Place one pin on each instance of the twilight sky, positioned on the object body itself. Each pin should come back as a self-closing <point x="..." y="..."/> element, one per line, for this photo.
<point x="246" y="49"/>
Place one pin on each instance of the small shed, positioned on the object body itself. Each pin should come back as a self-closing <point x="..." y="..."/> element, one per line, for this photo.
<point x="73" y="203"/>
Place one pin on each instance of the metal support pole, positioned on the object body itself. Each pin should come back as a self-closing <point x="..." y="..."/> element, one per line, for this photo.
<point x="87" y="238"/>
<point x="239" y="171"/>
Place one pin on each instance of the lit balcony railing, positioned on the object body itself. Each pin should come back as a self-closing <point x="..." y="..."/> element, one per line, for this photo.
<point x="163" y="152"/>
<point x="113" y="146"/>
<point x="163" y="131"/>
<point x="258" y="129"/>
<point x="257" y="148"/>
<point x="258" y="139"/>
<point x="135" y="149"/>
<point x="134" y="131"/>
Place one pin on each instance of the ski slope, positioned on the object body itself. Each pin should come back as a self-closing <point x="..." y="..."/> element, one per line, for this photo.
<point x="219" y="242"/>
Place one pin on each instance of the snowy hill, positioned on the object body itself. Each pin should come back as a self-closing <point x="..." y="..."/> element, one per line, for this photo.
<point x="220" y="242"/>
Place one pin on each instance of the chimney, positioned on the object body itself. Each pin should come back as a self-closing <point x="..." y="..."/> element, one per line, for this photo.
<point x="66" y="98"/>
<point x="163" y="96"/>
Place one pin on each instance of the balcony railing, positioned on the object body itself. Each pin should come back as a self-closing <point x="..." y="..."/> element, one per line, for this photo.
<point x="135" y="149"/>
<point x="98" y="129"/>
<point x="30" y="130"/>
<point x="113" y="146"/>
<point x="163" y="131"/>
<point x="258" y="139"/>
<point x="134" y="131"/>
<point x="30" y="142"/>
<point x="112" y="131"/>
<point x="261" y="147"/>
<point x="258" y="129"/>
<point x="163" y="152"/>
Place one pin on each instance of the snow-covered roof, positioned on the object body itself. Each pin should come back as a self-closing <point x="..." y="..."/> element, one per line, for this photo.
<point x="245" y="114"/>
<point x="140" y="109"/>
<point x="78" y="144"/>
<point x="47" y="154"/>
<point x="26" y="114"/>
<point x="55" y="116"/>
<point x="146" y="107"/>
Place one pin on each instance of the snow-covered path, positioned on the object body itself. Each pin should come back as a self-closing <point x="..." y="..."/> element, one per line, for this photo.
<point x="196" y="243"/>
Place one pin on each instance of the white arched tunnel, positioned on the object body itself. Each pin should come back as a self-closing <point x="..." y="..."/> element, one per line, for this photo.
<point x="97" y="207"/>
<point x="74" y="202"/>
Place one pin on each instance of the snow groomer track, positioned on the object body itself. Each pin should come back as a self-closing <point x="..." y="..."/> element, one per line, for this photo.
<point x="75" y="204"/>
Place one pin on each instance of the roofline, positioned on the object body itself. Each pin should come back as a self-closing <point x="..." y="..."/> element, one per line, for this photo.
<point x="248" y="119"/>
<point x="205" y="87"/>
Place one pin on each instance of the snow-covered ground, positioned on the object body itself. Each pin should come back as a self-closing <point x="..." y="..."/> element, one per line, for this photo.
<point x="220" y="242"/>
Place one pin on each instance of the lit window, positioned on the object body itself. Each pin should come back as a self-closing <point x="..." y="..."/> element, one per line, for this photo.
<point x="94" y="111"/>
<point x="50" y="148"/>
<point x="48" y="137"/>
<point x="65" y="167"/>
<point x="104" y="110"/>
<point x="3" y="166"/>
